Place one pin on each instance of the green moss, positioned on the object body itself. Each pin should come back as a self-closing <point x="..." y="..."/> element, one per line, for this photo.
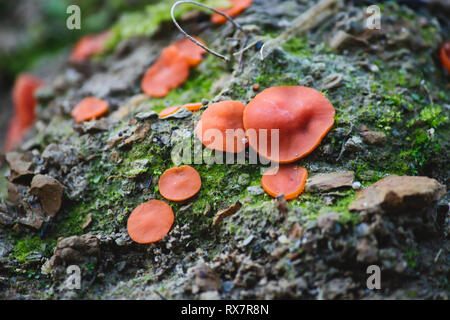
<point x="411" y="257"/>
<point x="297" y="46"/>
<point x="432" y="115"/>
<point x="313" y="205"/>
<point x="25" y="246"/>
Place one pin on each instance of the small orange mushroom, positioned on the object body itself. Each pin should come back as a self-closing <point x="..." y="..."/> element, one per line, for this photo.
<point x="302" y="115"/>
<point x="445" y="55"/>
<point x="194" y="107"/>
<point x="167" y="73"/>
<point x="14" y="134"/>
<point x="168" y="111"/>
<point x="24" y="108"/>
<point x="89" y="45"/>
<point x="288" y="180"/>
<point x="171" y="110"/>
<point x="150" y="222"/>
<point x="192" y="52"/>
<point x="24" y="100"/>
<point x="221" y="128"/>
<point x="237" y="6"/>
<point x="179" y="184"/>
<point x="89" y="108"/>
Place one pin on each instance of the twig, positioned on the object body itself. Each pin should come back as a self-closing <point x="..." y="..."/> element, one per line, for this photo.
<point x="241" y="56"/>
<point x="235" y="24"/>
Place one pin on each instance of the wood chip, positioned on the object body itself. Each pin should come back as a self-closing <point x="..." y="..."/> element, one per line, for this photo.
<point x="222" y="214"/>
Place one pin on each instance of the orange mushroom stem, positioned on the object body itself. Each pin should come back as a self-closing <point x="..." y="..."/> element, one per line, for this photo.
<point x="445" y="56"/>
<point x="150" y="222"/>
<point x="289" y="180"/>
<point x="89" y="108"/>
<point x="179" y="184"/>
<point x="237" y="7"/>
<point x="300" y="116"/>
<point x="221" y="128"/>
<point x="89" y="45"/>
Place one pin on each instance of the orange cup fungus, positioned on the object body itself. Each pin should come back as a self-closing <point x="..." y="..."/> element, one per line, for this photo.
<point x="168" y="111"/>
<point x="445" y="55"/>
<point x="171" y="110"/>
<point x="172" y="68"/>
<point x="88" y="46"/>
<point x="288" y="180"/>
<point x="302" y="115"/>
<point x="237" y="6"/>
<point x="24" y="100"/>
<point x="24" y="108"/>
<point x="167" y="73"/>
<point x="150" y="222"/>
<point x="190" y="51"/>
<point x="179" y="184"/>
<point x="221" y="127"/>
<point x="89" y="108"/>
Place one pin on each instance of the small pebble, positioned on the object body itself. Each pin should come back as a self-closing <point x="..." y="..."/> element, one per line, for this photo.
<point x="356" y="185"/>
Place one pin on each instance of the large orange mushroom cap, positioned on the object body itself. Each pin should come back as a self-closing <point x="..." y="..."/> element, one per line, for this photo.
<point x="89" y="108"/>
<point x="192" y="52"/>
<point x="150" y="222"/>
<point x="237" y="6"/>
<point x="179" y="184"/>
<point x="288" y="180"/>
<point x="445" y="55"/>
<point x="167" y="73"/>
<point x="302" y="115"/>
<point x="24" y="100"/>
<point x="89" y="45"/>
<point x="221" y="128"/>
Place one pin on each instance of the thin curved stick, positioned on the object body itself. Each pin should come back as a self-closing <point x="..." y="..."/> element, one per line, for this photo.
<point x="237" y="25"/>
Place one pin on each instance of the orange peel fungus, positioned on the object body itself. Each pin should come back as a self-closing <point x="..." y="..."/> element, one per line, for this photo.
<point x="150" y="222"/>
<point x="289" y="180"/>
<point x="179" y="184"/>
<point x="89" y="108"/>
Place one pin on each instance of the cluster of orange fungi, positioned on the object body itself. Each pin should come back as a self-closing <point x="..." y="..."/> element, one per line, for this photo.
<point x="172" y="68"/>
<point x="24" y="109"/>
<point x="89" y="45"/>
<point x="168" y="72"/>
<point x="151" y="221"/>
<point x="302" y="116"/>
